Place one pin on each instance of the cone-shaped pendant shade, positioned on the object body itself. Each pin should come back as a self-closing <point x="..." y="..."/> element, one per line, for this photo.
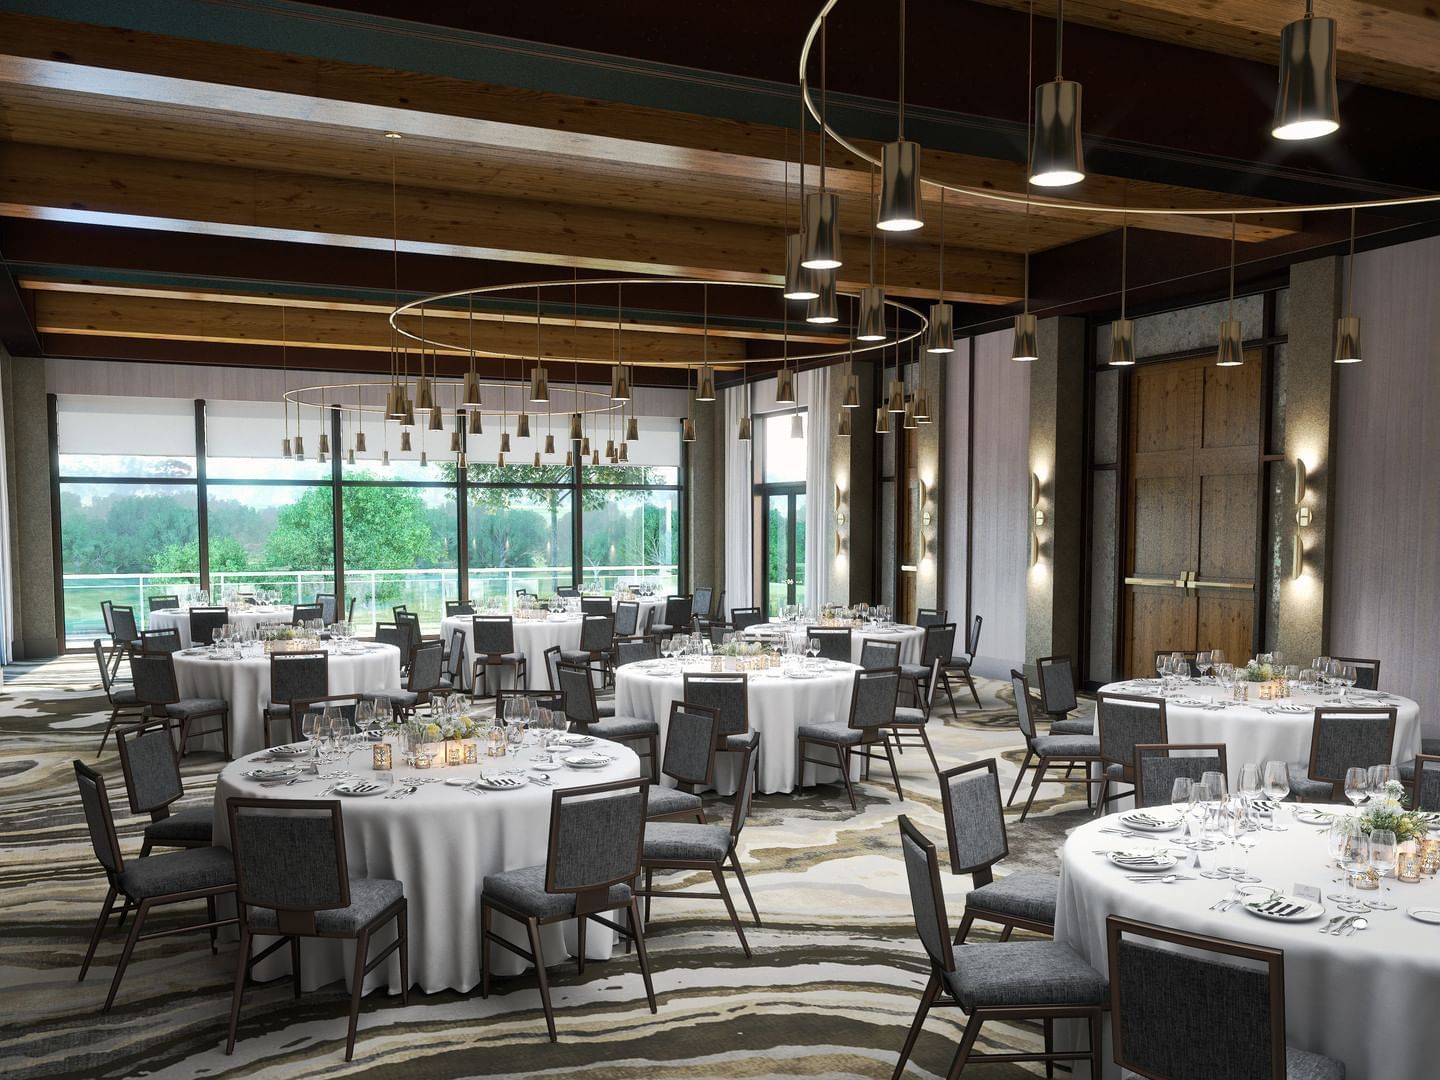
<point x="632" y="430"/>
<point x="577" y="427"/>
<point x="409" y="419"/>
<point x="1057" y="157"/>
<point x="705" y="388"/>
<point x="349" y="457"/>
<point x="470" y="394"/>
<point x="744" y="434"/>
<point x="437" y="418"/>
<point x="539" y="384"/>
<point x="872" y="314"/>
<point x="882" y="422"/>
<point x="910" y="423"/>
<point x="360" y="442"/>
<point x="942" y="329"/>
<point x="799" y="282"/>
<point x="460" y="460"/>
<point x="619" y="384"/>
<point x="852" y="392"/>
<point x="569" y="459"/>
<point x="395" y="404"/>
<point x="424" y="459"/>
<point x="595" y="457"/>
<point x="1122" y="343"/>
<point x="299" y="448"/>
<point x="687" y="430"/>
<point x="324" y="442"/>
<point x="624" y="454"/>
<point x="900" y="209"/>
<point x="785" y="386"/>
<point x="1306" y="103"/>
<point x="1025" y="345"/>
<point x="456" y="444"/>
<point x="405" y="441"/>
<point x="322" y="458"/>
<point x="385" y="459"/>
<point x="585" y="446"/>
<point x="1231" y="352"/>
<point x="285" y="450"/>
<point x="500" y="459"/>
<point x="549" y="444"/>
<point x="822" y="231"/>
<point x="522" y="426"/>
<point x="504" y="442"/>
<point x="476" y="426"/>
<point x="535" y="464"/>
<point x="797" y="426"/>
<point x="897" y="396"/>
<point x="842" y="424"/>
<point x="922" y="406"/>
<point x="424" y="396"/>
<point x="610" y="449"/>
<point x="822" y="309"/>
<point x="1347" y="340"/>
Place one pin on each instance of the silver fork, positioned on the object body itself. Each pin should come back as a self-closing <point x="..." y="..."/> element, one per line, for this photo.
<point x="1326" y="928"/>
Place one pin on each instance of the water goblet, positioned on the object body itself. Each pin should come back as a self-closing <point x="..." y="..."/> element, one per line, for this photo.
<point x="1383" y="852"/>
<point x="1203" y="662"/>
<point x="1180" y="792"/>
<point x="1377" y="779"/>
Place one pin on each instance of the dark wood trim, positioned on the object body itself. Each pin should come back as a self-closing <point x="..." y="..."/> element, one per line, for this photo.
<point x="682" y="576"/>
<point x="57" y="547"/>
<point x="1122" y="521"/>
<point x="202" y="497"/>
<point x="970" y="496"/>
<point x="337" y="509"/>
<point x="1087" y="502"/>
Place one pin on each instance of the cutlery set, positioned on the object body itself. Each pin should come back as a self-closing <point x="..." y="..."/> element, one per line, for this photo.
<point x="1344" y="925"/>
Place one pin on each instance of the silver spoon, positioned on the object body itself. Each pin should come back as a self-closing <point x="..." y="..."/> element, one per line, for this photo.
<point x="1356" y="924"/>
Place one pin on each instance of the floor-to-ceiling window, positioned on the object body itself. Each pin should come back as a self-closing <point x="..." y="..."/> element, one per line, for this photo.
<point x="630" y="514"/>
<point x="782" y="495"/>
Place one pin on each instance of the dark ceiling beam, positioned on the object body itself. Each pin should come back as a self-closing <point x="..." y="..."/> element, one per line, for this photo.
<point x="17" y="315"/>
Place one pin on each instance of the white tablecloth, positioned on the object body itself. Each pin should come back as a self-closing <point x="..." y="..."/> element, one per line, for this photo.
<point x="778" y="706"/>
<point x="911" y="638"/>
<point x="1252" y="734"/>
<point x="245" y="684"/>
<point x="440" y="842"/>
<point x="1366" y="1000"/>
<point x="179" y="619"/>
<point x="532" y="637"/>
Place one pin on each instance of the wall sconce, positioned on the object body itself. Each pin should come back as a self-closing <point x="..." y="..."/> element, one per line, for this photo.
<point x="1034" y="549"/>
<point x="1297" y="559"/>
<point x="1303" y="514"/>
<point x="1037" y="518"/>
<point x="842" y="500"/>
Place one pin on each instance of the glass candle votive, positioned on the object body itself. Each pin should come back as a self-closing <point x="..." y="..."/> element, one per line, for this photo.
<point x="422" y="758"/>
<point x="472" y="752"/>
<point x="382" y="757"/>
<point x="454" y="755"/>
<point x="1429" y="856"/>
<point x="1407" y="866"/>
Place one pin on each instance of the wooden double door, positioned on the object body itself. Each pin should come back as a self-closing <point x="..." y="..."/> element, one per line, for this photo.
<point x="1192" y="509"/>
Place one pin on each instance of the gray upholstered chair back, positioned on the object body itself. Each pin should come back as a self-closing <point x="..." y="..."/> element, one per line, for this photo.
<point x="628" y="652"/>
<point x="627" y="618"/>
<point x="930" y="617"/>
<point x="1057" y="684"/>
<point x="458" y="607"/>
<point x="455" y="658"/>
<point x="927" y="900"/>
<point x="554" y="700"/>
<point x="1021" y="686"/>
<point x="972" y="643"/>
<point x="597" y="632"/>
<point x="99" y="646"/>
<point x="974" y="816"/>
<point x="425" y="664"/>
<point x="1367" y="671"/>
<point x="123" y="619"/>
<point x="872" y="700"/>
<point x="389" y="633"/>
<point x="108" y="616"/>
<point x="939" y="644"/>
<point x="745" y="793"/>
<point x="596" y="836"/>
<point x="834" y="641"/>
<point x="289" y="854"/>
<point x="164" y="603"/>
<point x="1345" y="738"/>
<point x="326" y="600"/>
<point x="875" y="653"/>
<point x="150" y="765"/>
<point x="700" y="602"/>
<point x="552" y="666"/>
<point x="1125" y="721"/>
<point x="167" y="640"/>
<point x="153" y="677"/>
<point x="299" y="676"/>
<point x="567" y="591"/>
<point x="1426" y="795"/>
<point x="409" y="623"/>
<point x="1194" y="1008"/>
<point x="1157" y="767"/>
<point x="95" y="801"/>
<point x="728" y="693"/>
<point x="717" y="633"/>
<point x="204" y="621"/>
<point x="492" y="635"/>
<point x="690" y="743"/>
<point x="596" y="605"/>
<point x="303" y="613"/>
<point x="677" y="611"/>
<point x="579" y="693"/>
<point x="743" y="617"/>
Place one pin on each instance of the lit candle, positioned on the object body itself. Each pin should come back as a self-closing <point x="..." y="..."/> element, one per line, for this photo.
<point x="381" y="757"/>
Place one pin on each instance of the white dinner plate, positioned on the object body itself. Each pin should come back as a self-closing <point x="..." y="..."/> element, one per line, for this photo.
<point x="360" y="787"/>
<point x="273" y="772"/>
<point x="1190" y="703"/>
<point x="289" y="751"/>
<point x="1310" y="815"/>
<point x="504" y="782"/>
<point x="1143" y="860"/>
<point x="1424" y="914"/>
<point x="587" y="761"/>
<point x="800" y="674"/>
<point x="576" y="740"/>
<point x="1291" y="710"/>
<point x="459" y="781"/>
<point x="1146" y="822"/>
<point x="1271" y="909"/>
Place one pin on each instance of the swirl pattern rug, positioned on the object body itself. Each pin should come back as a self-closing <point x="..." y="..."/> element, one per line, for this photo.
<point x="830" y="992"/>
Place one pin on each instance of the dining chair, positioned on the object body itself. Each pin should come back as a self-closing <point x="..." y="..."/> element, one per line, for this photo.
<point x="493" y="639"/>
<point x="158" y="641"/>
<point x="676" y="619"/>
<point x="108" y="616"/>
<point x="422" y="681"/>
<point x="554" y="700"/>
<point x="1425" y="794"/>
<point x="834" y="641"/>
<point x="628" y="652"/>
<point x="596" y="605"/>
<point x="1367" y="672"/>
<point x="1056" y="676"/>
<point x="975" y="834"/>
<point x="700" y="603"/>
<point x="1187" y="1006"/>
<point x="122" y="699"/>
<point x="929" y="616"/>
<point x="168" y="602"/>
<point x="597" y="836"/>
<point x="292" y="881"/>
<point x="742" y="618"/>
<point x="676" y="846"/>
<point x="585" y="718"/>
<point x="294" y="676"/>
<point x="326" y="600"/>
<point x="872" y="706"/>
<point x="304" y="613"/>
<point x="1004" y="981"/>
<point x="1048" y="752"/>
<point x="126" y="635"/>
<point x="597" y="639"/>
<point x="689" y="760"/>
<point x="392" y="634"/>
<point x="728" y="693"/>
<point x="204" y="621"/>
<point x="452" y="671"/>
<point x="568" y="592"/>
<point x="1125" y="722"/>
<point x="960" y="665"/>
<point x="458" y="607"/>
<point x="627" y="619"/>
<point x="1159" y="765"/>
<point x="552" y="666"/>
<point x="929" y="673"/>
<point x="153" y="785"/>
<point x="155" y="687"/>
<point x="1342" y="737"/>
<point x="171" y="878"/>
<point x="879" y="653"/>
<point x="411" y="622"/>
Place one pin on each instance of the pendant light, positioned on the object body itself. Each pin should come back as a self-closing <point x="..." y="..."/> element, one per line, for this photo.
<point x="624" y="454"/>
<point x="569" y="459"/>
<point x="585" y="446"/>
<point x="896" y="403"/>
<point x="687" y="429"/>
<point x="632" y="430"/>
<point x="842" y="424"/>
<point x="476" y="427"/>
<point x="522" y="426"/>
<point x="405" y="441"/>
<point x="359" y="447"/>
<point x="822" y="208"/>
<point x="539" y="377"/>
<point x="799" y="282"/>
<point x="424" y="458"/>
<point x="500" y="459"/>
<point x="456" y="445"/>
<point x="437" y="418"/>
<point x="822" y="310"/>
<point x="910" y="423"/>
<point x="577" y="427"/>
<point x="1122" y="330"/>
<point x="535" y="464"/>
<point x="1057" y="158"/>
<point x="285" y="449"/>
<point x="900" y="206"/>
<point x="1307" y="104"/>
<point x="619" y="379"/>
<point x="1230" y="353"/>
<point x="942" y="316"/>
<point x="785" y="378"/>
<point x="385" y="459"/>
<point x="549" y="444"/>
<point x="424" y="394"/>
<point x="882" y="422"/>
<point x="1347" y="328"/>
<point x="619" y="385"/>
<point x="705" y="390"/>
<point x="349" y="457"/>
<point x="872" y="314"/>
<point x="299" y="439"/>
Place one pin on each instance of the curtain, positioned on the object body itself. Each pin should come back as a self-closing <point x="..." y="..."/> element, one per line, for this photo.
<point x="813" y="388"/>
<point x="739" y="504"/>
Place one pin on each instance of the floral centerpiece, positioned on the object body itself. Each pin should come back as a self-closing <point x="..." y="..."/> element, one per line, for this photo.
<point x="1392" y="815"/>
<point x="1258" y="672"/>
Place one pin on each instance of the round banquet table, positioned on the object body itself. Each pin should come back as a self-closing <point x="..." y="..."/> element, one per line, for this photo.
<point x="241" y="618"/>
<point x="1366" y="1000"/>
<point x="440" y="842"/>
<point x="1253" y="731"/>
<point x="779" y="704"/>
<point x="910" y="638"/>
<point x="647" y="605"/>
<point x="532" y="637"/>
<point x="245" y="684"/>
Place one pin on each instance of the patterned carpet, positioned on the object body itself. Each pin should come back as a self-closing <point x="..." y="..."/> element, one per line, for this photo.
<point x="830" y="992"/>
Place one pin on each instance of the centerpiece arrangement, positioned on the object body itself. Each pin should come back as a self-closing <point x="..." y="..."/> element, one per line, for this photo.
<point x="1391" y="815"/>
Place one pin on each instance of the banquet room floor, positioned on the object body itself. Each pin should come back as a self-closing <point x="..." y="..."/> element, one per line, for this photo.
<point x="833" y="985"/>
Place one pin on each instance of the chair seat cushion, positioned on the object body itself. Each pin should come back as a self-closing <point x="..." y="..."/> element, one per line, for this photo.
<point x="836" y="734"/>
<point x="576" y="656"/>
<point x="738" y="742"/>
<point x="278" y="708"/>
<point x="662" y="628"/>
<point x="1025" y="896"/>
<point x="123" y="695"/>
<point x="1430" y="746"/>
<point x="605" y="708"/>
<point x="915" y="671"/>
<point x="369" y="897"/>
<point x="1302" y="787"/>
<point x="908" y="717"/>
<point x="1072" y="727"/>
<point x="957" y="663"/>
<point x="1303" y="1065"/>
<point x="682" y="842"/>
<point x="1115" y="771"/>
<point x="1067" y="746"/>
<point x="178" y="871"/>
<point x="621" y="727"/>
<point x="664" y="801"/>
<point x="523" y="890"/>
<point x="187" y="707"/>
<point x="408" y="698"/>
<point x="1024" y="973"/>
<point x="502" y="658"/>
<point x="190" y="823"/>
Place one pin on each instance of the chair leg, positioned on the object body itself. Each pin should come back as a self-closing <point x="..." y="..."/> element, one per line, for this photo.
<point x="649" y="891"/>
<point x="1020" y="775"/>
<point x="1049" y="1047"/>
<point x="533" y="929"/>
<point x="844" y="755"/>
<point x="718" y="872"/>
<point x="799" y="765"/>
<point x="894" y="775"/>
<point x="927" y="998"/>
<point x="925" y="738"/>
<point x="1005" y="934"/>
<point x="966" y="921"/>
<point x="225" y="733"/>
<point x="744" y="885"/>
<point x="1035" y="785"/>
<point x="487" y="916"/>
<point x="580" y="924"/>
<point x="105" y="910"/>
<point x="145" y="850"/>
<point x="975" y="693"/>
<point x="295" y="965"/>
<point x="1097" y="1042"/>
<point x="402" y="928"/>
<point x="1100" y="797"/>
<point x="949" y="695"/>
<point x="242" y="964"/>
<point x="140" y="914"/>
<point x="640" y="954"/>
<point x="357" y="988"/>
<point x="214" y="930"/>
<point x="967" y="1044"/>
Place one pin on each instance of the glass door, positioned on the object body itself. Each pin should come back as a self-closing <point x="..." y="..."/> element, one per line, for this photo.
<point x="784" y="550"/>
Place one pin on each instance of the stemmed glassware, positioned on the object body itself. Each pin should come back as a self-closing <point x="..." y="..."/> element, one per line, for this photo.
<point x="309" y="729"/>
<point x="812" y="649"/>
<point x="1276" y="781"/>
<point x="1249" y="786"/>
<point x="1383" y="852"/>
<point x="1180" y="797"/>
<point x="1203" y="662"/>
<point x="1212" y="786"/>
<point x="1357" y="785"/>
<point x="1377" y="779"/>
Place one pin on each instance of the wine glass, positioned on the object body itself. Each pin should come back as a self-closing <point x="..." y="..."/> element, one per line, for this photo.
<point x="1162" y="668"/>
<point x="309" y="726"/>
<point x="1275" y="779"/>
<point x="1202" y="661"/>
<point x="1249" y="784"/>
<point x="1346" y="677"/>
<point x="1383" y="851"/>
<point x="1217" y="657"/>
<point x="1355" y="855"/>
<point x="1225" y="676"/>
<point x="1178" y="665"/>
<point x="1335" y="836"/>
<point x="1180" y="797"/>
<point x="1377" y="778"/>
<point x="812" y="648"/>
<point x="1357" y="785"/>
